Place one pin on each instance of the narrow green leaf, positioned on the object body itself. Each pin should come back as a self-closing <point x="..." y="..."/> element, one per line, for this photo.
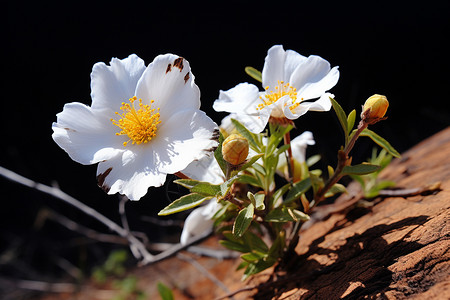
<point x="253" y="73"/>
<point x="281" y="191"/>
<point x="281" y="214"/>
<point x="251" y="161"/>
<point x="297" y="190"/>
<point x="313" y="160"/>
<point x="252" y="256"/>
<point x="225" y="187"/>
<point x="243" y="220"/>
<point x="206" y="189"/>
<point x="330" y="171"/>
<point x="351" y="120"/>
<point x="360" y="169"/>
<point x="380" y="141"/>
<point x="187" y="183"/>
<point x="335" y="189"/>
<point x="218" y="156"/>
<point x="261" y="265"/>
<point x="235" y="246"/>
<point x="259" y="201"/>
<point x="342" y="117"/>
<point x="246" y="133"/>
<point x="199" y="187"/>
<point x="282" y="149"/>
<point x="260" y="169"/>
<point x="254" y="242"/>
<point x="164" y="292"/>
<point x="183" y="203"/>
<point x="249" y="179"/>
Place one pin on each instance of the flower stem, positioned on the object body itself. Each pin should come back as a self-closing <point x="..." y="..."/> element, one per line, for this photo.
<point x="290" y="161"/>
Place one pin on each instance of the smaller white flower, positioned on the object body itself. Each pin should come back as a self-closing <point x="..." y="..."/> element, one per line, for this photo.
<point x="291" y="84"/>
<point x="199" y="221"/>
<point x="298" y="146"/>
<point x="143" y="123"/>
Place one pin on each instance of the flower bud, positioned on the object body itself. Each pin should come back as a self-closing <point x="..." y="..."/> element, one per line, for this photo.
<point x="235" y="149"/>
<point x="375" y="108"/>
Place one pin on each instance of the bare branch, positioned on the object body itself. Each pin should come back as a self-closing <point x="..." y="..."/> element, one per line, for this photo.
<point x="57" y="193"/>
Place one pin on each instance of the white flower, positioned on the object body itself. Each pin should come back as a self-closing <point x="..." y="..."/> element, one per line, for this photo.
<point x="199" y="221"/>
<point x="290" y="81"/>
<point x="143" y="123"/>
<point x="298" y="146"/>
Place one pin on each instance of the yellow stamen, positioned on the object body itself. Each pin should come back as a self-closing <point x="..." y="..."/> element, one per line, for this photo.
<point x="281" y="90"/>
<point x="139" y="125"/>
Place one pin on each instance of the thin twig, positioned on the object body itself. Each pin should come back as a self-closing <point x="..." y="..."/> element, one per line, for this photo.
<point x="59" y="194"/>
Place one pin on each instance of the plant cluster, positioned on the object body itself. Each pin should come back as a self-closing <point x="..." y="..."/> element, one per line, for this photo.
<point x="246" y="177"/>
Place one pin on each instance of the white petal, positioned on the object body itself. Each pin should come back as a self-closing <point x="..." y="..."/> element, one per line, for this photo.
<point x="293" y="60"/>
<point x="111" y="85"/>
<point x="130" y="174"/>
<point x="188" y="135"/>
<point x="168" y="81"/>
<point x="311" y="70"/>
<point x="322" y="104"/>
<point x="273" y="70"/>
<point x="86" y="134"/>
<point x="316" y="89"/>
<point x="240" y="99"/>
<point x="299" y="145"/>
<point x="255" y="122"/>
<point x="205" y="169"/>
<point x="197" y="223"/>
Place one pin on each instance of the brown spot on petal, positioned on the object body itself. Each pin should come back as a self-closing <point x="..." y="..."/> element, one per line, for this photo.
<point x="215" y="135"/>
<point x="178" y="63"/>
<point x="169" y="68"/>
<point x="186" y="77"/>
<point x="69" y="129"/>
<point x="101" y="180"/>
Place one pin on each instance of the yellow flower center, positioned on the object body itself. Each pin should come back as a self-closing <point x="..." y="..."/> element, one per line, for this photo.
<point x="140" y="124"/>
<point x="281" y="90"/>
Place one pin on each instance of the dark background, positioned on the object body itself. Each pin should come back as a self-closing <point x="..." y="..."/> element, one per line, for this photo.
<point x="391" y="48"/>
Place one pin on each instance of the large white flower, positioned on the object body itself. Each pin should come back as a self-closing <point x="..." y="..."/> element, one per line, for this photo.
<point x="292" y="83"/>
<point x="143" y="123"/>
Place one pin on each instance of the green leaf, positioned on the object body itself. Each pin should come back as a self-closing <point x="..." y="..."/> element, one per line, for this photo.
<point x="251" y="161"/>
<point x="218" y="156"/>
<point x="360" y="169"/>
<point x="313" y="160"/>
<point x="252" y="256"/>
<point x="206" y="189"/>
<point x="253" y="73"/>
<point x="380" y="141"/>
<point x="254" y="268"/>
<point x="281" y="191"/>
<point x="239" y="247"/>
<point x="254" y="242"/>
<point x="249" y="179"/>
<point x="225" y="187"/>
<point x="164" y="292"/>
<point x="259" y="201"/>
<point x="351" y="120"/>
<point x="199" y="187"/>
<point x="184" y="203"/>
<point x="337" y="188"/>
<point x="374" y="191"/>
<point x="243" y="220"/>
<point x="285" y="214"/>
<point x="342" y="117"/>
<point x="297" y="190"/>
<point x="247" y="134"/>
